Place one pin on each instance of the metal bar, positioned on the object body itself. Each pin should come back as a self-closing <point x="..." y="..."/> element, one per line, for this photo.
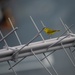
<point x="68" y="28"/>
<point x="57" y="41"/>
<point x="28" y="42"/>
<point x="62" y="38"/>
<point x="37" y="28"/>
<point x="57" y="38"/>
<point x="50" y="64"/>
<point x="37" y="52"/>
<point x="17" y="63"/>
<point x="48" y="54"/>
<point x="43" y="24"/>
<point x="8" y="34"/>
<point x="12" y="68"/>
<point x="42" y="38"/>
<point x="16" y="37"/>
<point x="7" y="48"/>
<point x="15" y="31"/>
<point x="71" y="53"/>
<point x="39" y="34"/>
<point x="4" y="40"/>
<point x="64" y="25"/>
<point x="73" y="50"/>
<point x="67" y="54"/>
<point x="9" y="53"/>
<point x="41" y="62"/>
<point x="39" y="46"/>
<point x="65" y="31"/>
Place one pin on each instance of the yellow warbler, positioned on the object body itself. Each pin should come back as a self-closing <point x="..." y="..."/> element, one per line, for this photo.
<point x="50" y="31"/>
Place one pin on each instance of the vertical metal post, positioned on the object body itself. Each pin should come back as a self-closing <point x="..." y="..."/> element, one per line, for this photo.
<point x="50" y="64"/>
<point x="37" y="28"/>
<point x="48" y="55"/>
<point x="71" y="53"/>
<point x="67" y="54"/>
<point x="26" y="45"/>
<point x="15" y="31"/>
<point x="7" y="48"/>
<point x="42" y="39"/>
<point x="4" y="40"/>
<point x="41" y="62"/>
<point x="64" y="25"/>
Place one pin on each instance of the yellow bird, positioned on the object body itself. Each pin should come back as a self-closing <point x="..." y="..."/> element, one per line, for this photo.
<point x="50" y="31"/>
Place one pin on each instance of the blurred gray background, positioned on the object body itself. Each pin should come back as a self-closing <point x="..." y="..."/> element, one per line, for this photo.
<point x="49" y="11"/>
